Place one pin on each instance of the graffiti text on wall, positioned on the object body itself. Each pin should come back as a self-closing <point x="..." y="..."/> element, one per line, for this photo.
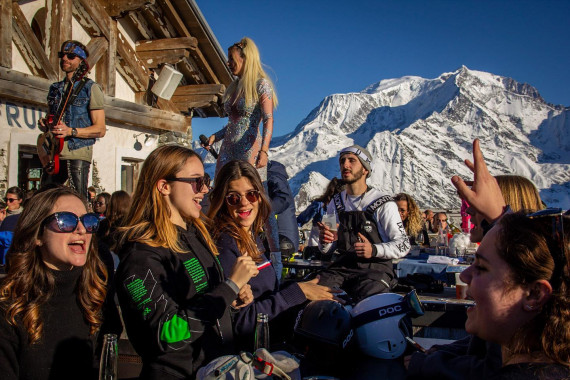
<point x="20" y="115"/>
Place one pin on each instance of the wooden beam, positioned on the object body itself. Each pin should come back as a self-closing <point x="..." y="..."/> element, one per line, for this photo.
<point x="6" y="33"/>
<point x="140" y="24"/>
<point x="167" y="105"/>
<point x="94" y="18"/>
<point x="106" y="69"/>
<point x="29" y="89"/>
<point x="195" y="101"/>
<point x="167" y="44"/>
<point x="58" y="27"/>
<point x="131" y="66"/>
<point x="97" y="48"/>
<point x="155" y="18"/>
<point x="29" y="46"/>
<point x="174" y="17"/>
<point x="117" y="8"/>
<point x="190" y="70"/>
<point x="200" y="89"/>
<point x="153" y="59"/>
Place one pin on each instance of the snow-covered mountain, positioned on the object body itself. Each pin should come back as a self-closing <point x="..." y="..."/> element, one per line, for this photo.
<point x="419" y="132"/>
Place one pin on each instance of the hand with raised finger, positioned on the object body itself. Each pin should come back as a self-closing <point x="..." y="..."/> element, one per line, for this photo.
<point x="363" y="247"/>
<point x="484" y="195"/>
<point x="243" y="270"/>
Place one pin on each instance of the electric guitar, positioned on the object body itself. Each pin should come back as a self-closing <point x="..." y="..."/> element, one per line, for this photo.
<point x="49" y="147"/>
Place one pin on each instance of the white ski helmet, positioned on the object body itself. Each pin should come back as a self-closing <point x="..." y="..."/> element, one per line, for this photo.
<point x="379" y="323"/>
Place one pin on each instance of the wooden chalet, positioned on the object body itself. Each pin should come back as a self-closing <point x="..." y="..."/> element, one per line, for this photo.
<point x="129" y="42"/>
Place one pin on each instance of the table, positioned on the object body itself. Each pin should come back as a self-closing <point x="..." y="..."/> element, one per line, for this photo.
<point x="419" y="264"/>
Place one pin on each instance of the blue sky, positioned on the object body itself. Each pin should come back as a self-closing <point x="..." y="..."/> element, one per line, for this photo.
<point x="316" y="48"/>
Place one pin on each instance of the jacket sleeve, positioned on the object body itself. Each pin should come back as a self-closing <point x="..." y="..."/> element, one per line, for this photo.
<point x="277" y="187"/>
<point x="160" y="314"/>
<point x="395" y="241"/>
<point x="457" y="360"/>
<point x="308" y="214"/>
<point x="270" y="303"/>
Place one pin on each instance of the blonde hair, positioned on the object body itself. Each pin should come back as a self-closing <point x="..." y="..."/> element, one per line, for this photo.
<point x="414" y="222"/>
<point x="519" y="193"/>
<point x="148" y="220"/>
<point x="252" y="72"/>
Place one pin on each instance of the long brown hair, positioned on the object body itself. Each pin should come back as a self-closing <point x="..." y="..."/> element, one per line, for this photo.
<point x="223" y="221"/>
<point x="29" y="283"/>
<point x="148" y="220"/>
<point x="335" y="186"/>
<point x="118" y="207"/>
<point x="530" y="248"/>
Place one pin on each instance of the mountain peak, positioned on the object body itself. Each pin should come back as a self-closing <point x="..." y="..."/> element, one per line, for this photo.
<point x="420" y="131"/>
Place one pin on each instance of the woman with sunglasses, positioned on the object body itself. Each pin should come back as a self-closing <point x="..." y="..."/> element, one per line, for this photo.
<point x="249" y="100"/>
<point x="52" y="298"/>
<point x="238" y="210"/>
<point x="174" y="298"/>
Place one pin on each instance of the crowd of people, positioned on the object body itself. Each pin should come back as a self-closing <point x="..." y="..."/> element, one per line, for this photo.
<point x="191" y="284"/>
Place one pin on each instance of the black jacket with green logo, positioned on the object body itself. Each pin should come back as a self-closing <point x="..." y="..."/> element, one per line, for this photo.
<point x="176" y="306"/>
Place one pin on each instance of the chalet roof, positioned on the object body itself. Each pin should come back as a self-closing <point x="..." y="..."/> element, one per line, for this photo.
<point x="163" y="32"/>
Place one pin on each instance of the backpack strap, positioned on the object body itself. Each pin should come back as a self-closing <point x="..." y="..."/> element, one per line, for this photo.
<point x="372" y="207"/>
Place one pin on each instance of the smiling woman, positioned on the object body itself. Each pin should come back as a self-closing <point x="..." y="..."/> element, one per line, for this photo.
<point x="173" y="295"/>
<point x="53" y="267"/>
<point x="239" y="208"/>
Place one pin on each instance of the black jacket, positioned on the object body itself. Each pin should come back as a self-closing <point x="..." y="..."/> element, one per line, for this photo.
<point x="175" y="306"/>
<point x="282" y="202"/>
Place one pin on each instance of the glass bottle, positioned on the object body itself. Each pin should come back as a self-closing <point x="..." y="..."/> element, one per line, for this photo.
<point x="108" y="366"/>
<point x="262" y="332"/>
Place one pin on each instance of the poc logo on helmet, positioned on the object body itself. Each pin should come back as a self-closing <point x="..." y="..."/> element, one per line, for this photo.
<point x="390" y="310"/>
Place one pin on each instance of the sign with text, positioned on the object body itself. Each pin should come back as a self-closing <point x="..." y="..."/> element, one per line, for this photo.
<point x="19" y="115"/>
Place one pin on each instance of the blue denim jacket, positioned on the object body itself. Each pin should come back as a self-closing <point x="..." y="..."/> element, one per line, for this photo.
<point x="77" y="114"/>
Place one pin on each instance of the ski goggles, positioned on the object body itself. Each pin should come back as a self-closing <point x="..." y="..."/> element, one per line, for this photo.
<point x="66" y="222"/>
<point x="234" y="199"/>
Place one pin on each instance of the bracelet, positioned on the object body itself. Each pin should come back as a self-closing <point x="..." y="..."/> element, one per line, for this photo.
<point x="264" y="151"/>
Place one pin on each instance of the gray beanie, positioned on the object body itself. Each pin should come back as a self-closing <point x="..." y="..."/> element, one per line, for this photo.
<point x="363" y="155"/>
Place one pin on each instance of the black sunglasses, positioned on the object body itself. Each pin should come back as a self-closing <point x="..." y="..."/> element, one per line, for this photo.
<point x="10" y="200"/>
<point x="67" y="221"/>
<point x="234" y="199"/>
<point x="559" y="255"/>
<point x="69" y="55"/>
<point x="199" y="181"/>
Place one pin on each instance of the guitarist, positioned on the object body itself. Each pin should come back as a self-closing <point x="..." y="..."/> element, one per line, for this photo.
<point x="82" y="122"/>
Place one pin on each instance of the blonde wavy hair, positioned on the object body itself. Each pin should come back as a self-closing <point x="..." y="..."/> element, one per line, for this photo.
<point x="29" y="283"/>
<point x="148" y="220"/>
<point x="414" y="222"/>
<point x="252" y="73"/>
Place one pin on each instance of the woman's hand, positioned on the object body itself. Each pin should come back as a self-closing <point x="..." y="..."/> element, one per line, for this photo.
<point x="243" y="270"/>
<point x="315" y="292"/>
<point x="262" y="159"/>
<point x="326" y="236"/>
<point x="484" y="195"/>
<point x="211" y="140"/>
<point x="244" y="298"/>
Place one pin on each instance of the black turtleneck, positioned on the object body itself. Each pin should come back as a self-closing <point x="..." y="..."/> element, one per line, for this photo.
<point x="65" y="350"/>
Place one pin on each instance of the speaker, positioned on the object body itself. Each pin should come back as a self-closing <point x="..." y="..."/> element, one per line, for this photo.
<point x="167" y="82"/>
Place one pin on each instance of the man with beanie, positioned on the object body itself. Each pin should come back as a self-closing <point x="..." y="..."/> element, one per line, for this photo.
<point x="82" y="122"/>
<point x="370" y="232"/>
